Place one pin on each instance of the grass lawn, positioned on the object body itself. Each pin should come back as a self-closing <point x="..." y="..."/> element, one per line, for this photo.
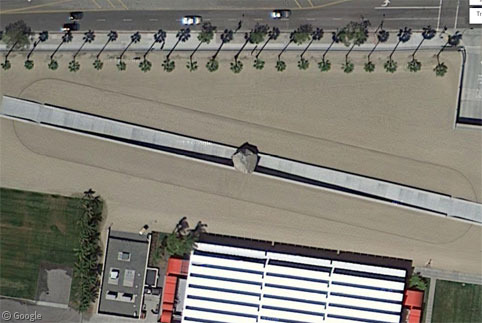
<point x="34" y="228"/>
<point x="456" y="303"/>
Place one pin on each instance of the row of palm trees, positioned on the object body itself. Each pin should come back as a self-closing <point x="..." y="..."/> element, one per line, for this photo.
<point x="87" y="268"/>
<point x="353" y="34"/>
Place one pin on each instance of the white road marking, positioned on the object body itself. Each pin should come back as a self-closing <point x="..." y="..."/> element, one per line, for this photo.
<point x="232" y="19"/>
<point x="153" y="19"/>
<point x="411" y="18"/>
<point x="456" y="15"/>
<point x="310" y="19"/>
<point x="439" y="12"/>
<point x="127" y="19"/>
<point x="407" y="8"/>
<point x="336" y="18"/>
<point x="101" y="19"/>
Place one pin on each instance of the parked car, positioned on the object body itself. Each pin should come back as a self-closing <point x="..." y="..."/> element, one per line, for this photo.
<point x="191" y="20"/>
<point x="76" y="15"/>
<point x="280" y="13"/>
<point x="71" y="26"/>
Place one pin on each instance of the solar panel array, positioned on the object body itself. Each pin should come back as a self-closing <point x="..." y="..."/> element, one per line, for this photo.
<point x="240" y="285"/>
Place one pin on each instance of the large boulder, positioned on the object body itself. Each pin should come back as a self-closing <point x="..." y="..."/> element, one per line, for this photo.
<point x="245" y="158"/>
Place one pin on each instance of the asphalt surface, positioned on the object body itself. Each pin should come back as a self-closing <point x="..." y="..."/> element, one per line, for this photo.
<point x="328" y="15"/>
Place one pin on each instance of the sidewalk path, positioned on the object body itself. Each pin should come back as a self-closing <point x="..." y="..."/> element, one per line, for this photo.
<point x="449" y="275"/>
<point x="431" y="297"/>
<point x="147" y="39"/>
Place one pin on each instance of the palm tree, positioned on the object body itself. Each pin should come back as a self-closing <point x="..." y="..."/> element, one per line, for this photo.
<point x="168" y="65"/>
<point x="325" y="64"/>
<point x="227" y="36"/>
<point x="348" y="66"/>
<point x="440" y="69"/>
<point x="453" y="40"/>
<point x="66" y="38"/>
<point x="74" y="66"/>
<point x="182" y="35"/>
<point x="89" y="37"/>
<point x="258" y="64"/>
<point x="28" y="64"/>
<point x="43" y="36"/>
<point x="205" y="36"/>
<point x="255" y="36"/>
<point x="273" y="34"/>
<point x="145" y="65"/>
<point x="280" y="66"/>
<point x="135" y="38"/>
<point x="6" y="64"/>
<point x="317" y="34"/>
<point x="303" y="63"/>
<point x="382" y="36"/>
<point x="236" y="66"/>
<point x="390" y="66"/>
<point x="98" y="64"/>
<point x="159" y="37"/>
<point x="414" y="65"/>
<point x="403" y="36"/>
<point x="111" y="36"/>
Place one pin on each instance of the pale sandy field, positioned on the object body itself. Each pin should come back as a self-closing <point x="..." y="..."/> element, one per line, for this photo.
<point x="396" y="127"/>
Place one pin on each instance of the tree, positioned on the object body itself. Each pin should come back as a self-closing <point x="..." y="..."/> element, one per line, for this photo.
<point x="43" y="36"/>
<point x="255" y="36"/>
<point x="89" y="37"/>
<point x="280" y="66"/>
<point x="227" y="36"/>
<point x="273" y="34"/>
<point x="6" y="65"/>
<point x="440" y="69"/>
<point x="111" y="36"/>
<point x="453" y="40"/>
<point x="145" y="65"/>
<point x="303" y="64"/>
<point x="236" y="66"/>
<point x="212" y="65"/>
<point x="98" y="64"/>
<point x="403" y="36"/>
<point x="347" y="67"/>
<point x="182" y="35"/>
<point x="382" y="36"/>
<point x="135" y="38"/>
<point x="17" y="35"/>
<point x="159" y="37"/>
<point x="418" y="282"/>
<point x="53" y="65"/>
<point x="324" y="65"/>
<point x="390" y="66"/>
<point x="204" y="37"/>
<point x="121" y="66"/>
<point x="414" y="65"/>
<point x="356" y="34"/>
<point x="298" y="36"/>
<point x="369" y="67"/>
<point x="66" y="38"/>
<point x="258" y="64"/>
<point x="179" y="246"/>
<point x="316" y="34"/>
<point x="74" y="66"/>
<point x="168" y="65"/>
<point x="28" y="64"/>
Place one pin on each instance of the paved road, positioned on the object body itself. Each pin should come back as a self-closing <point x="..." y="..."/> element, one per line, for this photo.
<point x="325" y="13"/>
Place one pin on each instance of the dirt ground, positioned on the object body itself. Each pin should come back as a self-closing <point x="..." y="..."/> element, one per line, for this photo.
<point x="396" y="127"/>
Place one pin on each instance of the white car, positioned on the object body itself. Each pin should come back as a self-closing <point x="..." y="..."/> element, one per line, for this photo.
<point x="280" y="13"/>
<point x="191" y="20"/>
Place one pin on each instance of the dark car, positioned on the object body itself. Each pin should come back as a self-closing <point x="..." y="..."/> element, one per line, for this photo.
<point x="72" y="26"/>
<point x="280" y="13"/>
<point x="76" y="15"/>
